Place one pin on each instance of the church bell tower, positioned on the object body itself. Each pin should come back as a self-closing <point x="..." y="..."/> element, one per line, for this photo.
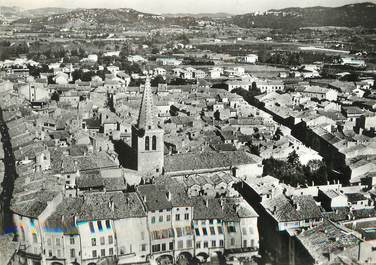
<point x="147" y="137"/>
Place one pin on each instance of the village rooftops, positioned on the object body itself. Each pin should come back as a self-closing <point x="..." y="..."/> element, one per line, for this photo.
<point x="207" y="161"/>
<point x="328" y="239"/>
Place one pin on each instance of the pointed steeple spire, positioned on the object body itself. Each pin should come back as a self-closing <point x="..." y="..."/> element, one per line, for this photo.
<point x="146" y="115"/>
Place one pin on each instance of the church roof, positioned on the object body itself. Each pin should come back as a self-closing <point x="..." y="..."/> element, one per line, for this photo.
<point x="146" y="115"/>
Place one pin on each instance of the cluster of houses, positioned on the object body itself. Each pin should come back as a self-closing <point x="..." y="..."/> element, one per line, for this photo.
<point x="72" y="199"/>
<point x="108" y="171"/>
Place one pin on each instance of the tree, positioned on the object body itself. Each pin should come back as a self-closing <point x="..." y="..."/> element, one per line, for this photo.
<point x="316" y="172"/>
<point x="277" y="135"/>
<point x="158" y="80"/>
<point x="254" y="150"/>
<point x="293" y="158"/>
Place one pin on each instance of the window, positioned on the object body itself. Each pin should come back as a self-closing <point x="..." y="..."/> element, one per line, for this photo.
<point x="232" y="242"/>
<point x="244" y="231"/>
<point x="245" y="243"/>
<point x="189" y="243"/>
<point x="58" y="242"/>
<point x="49" y="242"/>
<point x="50" y="253"/>
<point x="231" y="229"/>
<point x="93" y="242"/>
<point x="171" y="245"/>
<point x="220" y="231"/>
<point x="94" y="253"/>
<point x="206" y="244"/>
<point x="188" y="231"/>
<point x="179" y="232"/>
<point x="153" y="220"/>
<point x="211" y="221"/>
<point x="142" y="235"/>
<point x="91" y="227"/>
<point x="99" y="224"/>
<point x="147" y="143"/>
<point x="122" y="250"/>
<point x="108" y="225"/>
<point x="110" y="240"/>
<point x="156" y="248"/>
<point x="186" y="216"/>
<point x="161" y="218"/>
<point x="164" y="247"/>
<point x="204" y="231"/>
<point x="214" y="243"/>
<point x="251" y="230"/>
<point x="198" y="244"/>
<point x="59" y="253"/>
<point x="110" y="251"/>
<point x="35" y="239"/>
<point x="72" y="253"/>
<point x="143" y="247"/>
<point x="197" y="232"/>
<point x="168" y="217"/>
<point x="154" y="142"/>
<point x="102" y="240"/>
<point x="221" y="243"/>
<point x="252" y="243"/>
<point x="103" y="252"/>
<point x="71" y="240"/>
<point x="177" y="217"/>
<point x="212" y="231"/>
<point x="180" y="244"/>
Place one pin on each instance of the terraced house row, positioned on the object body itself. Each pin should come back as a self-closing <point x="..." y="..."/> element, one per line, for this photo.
<point x="132" y="227"/>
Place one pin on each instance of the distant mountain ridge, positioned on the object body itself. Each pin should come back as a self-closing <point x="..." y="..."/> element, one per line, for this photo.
<point x="353" y="15"/>
<point x="363" y="14"/>
<point x="200" y="15"/>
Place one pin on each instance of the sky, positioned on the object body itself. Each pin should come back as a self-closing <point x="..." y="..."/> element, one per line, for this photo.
<point x="180" y="6"/>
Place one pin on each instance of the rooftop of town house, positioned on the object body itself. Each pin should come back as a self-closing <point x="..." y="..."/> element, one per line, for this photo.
<point x="8" y="248"/>
<point x="154" y="197"/>
<point x="295" y="208"/>
<point x="32" y="204"/>
<point x="355" y="197"/>
<point x="110" y="205"/>
<point x="69" y="164"/>
<point x="330" y="193"/>
<point x="206" y="209"/>
<point x="207" y="160"/>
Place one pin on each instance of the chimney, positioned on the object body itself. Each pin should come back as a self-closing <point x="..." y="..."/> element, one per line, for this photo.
<point x="207" y="203"/>
<point x="111" y="205"/>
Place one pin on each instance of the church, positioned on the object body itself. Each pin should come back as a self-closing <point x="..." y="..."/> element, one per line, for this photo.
<point x="148" y="148"/>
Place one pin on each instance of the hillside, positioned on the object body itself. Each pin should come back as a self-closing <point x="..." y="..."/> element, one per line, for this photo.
<point x="100" y="17"/>
<point x="289" y="18"/>
<point x="354" y="15"/>
<point x="15" y="13"/>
